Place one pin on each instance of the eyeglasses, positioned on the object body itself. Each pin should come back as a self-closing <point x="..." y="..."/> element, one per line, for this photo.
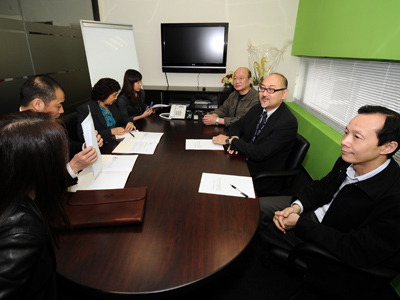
<point x="240" y="78"/>
<point x="269" y="90"/>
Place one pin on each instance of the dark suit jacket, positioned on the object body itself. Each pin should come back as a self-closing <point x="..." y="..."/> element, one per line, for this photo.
<point x="271" y="148"/>
<point x="364" y="215"/>
<point x="361" y="227"/>
<point x="98" y="119"/>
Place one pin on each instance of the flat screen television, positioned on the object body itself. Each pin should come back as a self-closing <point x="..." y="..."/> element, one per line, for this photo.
<point x="194" y="47"/>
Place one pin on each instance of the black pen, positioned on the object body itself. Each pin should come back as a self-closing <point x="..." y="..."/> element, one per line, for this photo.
<point x="131" y="134"/>
<point x="239" y="191"/>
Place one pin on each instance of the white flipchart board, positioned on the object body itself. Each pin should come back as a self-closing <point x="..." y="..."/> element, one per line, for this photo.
<point x="110" y="50"/>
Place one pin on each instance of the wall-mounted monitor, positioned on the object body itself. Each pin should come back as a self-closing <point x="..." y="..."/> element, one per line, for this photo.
<point x="194" y="47"/>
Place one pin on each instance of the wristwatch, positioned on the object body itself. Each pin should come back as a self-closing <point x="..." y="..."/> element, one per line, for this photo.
<point x="217" y="121"/>
<point x="228" y="141"/>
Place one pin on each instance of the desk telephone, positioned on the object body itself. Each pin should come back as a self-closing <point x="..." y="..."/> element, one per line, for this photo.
<point x="176" y="112"/>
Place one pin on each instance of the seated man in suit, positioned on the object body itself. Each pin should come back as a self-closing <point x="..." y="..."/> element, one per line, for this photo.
<point x="44" y="94"/>
<point x="238" y="103"/>
<point x="354" y="210"/>
<point x="266" y="134"/>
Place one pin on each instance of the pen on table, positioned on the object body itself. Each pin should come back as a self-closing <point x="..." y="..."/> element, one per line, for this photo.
<point x="239" y="191"/>
<point x="131" y="134"/>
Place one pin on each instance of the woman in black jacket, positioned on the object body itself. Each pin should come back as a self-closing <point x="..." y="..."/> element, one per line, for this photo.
<point x="33" y="181"/>
<point x="131" y="100"/>
<point x="107" y="118"/>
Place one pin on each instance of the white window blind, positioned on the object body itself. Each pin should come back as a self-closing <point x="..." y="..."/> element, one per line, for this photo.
<point x="334" y="89"/>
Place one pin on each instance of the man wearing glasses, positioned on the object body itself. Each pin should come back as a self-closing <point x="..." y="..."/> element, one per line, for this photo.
<point x="266" y="134"/>
<point x="238" y="103"/>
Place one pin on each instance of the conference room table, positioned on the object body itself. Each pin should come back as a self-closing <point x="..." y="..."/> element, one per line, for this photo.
<point x="186" y="238"/>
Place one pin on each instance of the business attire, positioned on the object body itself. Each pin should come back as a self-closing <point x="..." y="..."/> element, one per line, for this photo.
<point x="235" y="106"/>
<point x="126" y="107"/>
<point x="69" y="123"/>
<point x="270" y="149"/>
<point x="361" y="225"/>
<point x="100" y="123"/>
<point x="27" y="259"/>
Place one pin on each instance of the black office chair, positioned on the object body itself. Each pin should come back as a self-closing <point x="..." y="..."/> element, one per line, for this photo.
<point x="293" y="167"/>
<point x="374" y="282"/>
<point x="70" y="123"/>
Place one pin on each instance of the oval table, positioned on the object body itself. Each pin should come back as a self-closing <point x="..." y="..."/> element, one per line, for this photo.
<point x="186" y="237"/>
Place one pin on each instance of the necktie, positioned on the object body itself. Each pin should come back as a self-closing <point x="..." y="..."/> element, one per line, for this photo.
<point x="263" y="120"/>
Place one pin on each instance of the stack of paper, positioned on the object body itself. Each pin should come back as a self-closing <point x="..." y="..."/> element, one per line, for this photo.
<point x="140" y="143"/>
<point x="204" y="144"/>
<point x="114" y="174"/>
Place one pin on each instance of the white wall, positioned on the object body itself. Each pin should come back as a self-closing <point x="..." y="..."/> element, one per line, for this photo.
<point x="262" y="22"/>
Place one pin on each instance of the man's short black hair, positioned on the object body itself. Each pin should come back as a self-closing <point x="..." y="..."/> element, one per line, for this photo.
<point x="40" y="86"/>
<point x="391" y="129"/>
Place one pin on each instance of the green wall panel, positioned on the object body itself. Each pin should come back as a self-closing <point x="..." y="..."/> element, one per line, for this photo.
<point x="364" y="29"/>
<point x="324" y="142"/>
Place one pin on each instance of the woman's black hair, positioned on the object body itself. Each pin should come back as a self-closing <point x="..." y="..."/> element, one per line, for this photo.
<point x="33" y="158"/>
<point x="104" y="88"/>
<point x="131" y="76"/>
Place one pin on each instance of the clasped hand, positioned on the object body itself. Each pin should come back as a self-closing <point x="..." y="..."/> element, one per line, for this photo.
<point x="287" y="219"/>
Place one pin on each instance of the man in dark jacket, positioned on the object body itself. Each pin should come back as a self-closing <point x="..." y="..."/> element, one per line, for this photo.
<point x="266" y="134"/>
<point x="42" y="93"/>
<point x="353" y="211"/>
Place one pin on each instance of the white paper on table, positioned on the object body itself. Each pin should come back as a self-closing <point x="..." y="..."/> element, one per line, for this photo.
<point x="202" y="144"/>
<point x="136" y="147"/>
<point x="109" y="180"/>
<point x="90" y="140"/>
<point x="150" y="137"/>
<point x="220" y="184"/>
<point x="115" y="172"/>
<point x="144" y="143"/>
<point x="118" y="162"/>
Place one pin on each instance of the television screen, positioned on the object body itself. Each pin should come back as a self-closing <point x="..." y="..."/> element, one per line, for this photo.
<point x="194" y="47"/>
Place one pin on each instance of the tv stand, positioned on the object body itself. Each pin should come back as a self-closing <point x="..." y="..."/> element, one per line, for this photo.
<point x="195" y="98"/>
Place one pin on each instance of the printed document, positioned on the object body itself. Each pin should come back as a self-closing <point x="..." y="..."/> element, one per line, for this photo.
<point x="204" y="144"/>
<point x="229" y="185"/>
<point x="90" y="140"/>
<point x="115" y="172"/>
<point x="142" y="143"/>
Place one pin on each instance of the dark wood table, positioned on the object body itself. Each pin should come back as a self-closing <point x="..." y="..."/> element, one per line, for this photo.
<point x="186" y="237"/>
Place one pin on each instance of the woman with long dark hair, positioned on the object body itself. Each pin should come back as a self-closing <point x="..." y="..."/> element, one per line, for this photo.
<point x="131" y="100"/>
<point x="33" y="182"/>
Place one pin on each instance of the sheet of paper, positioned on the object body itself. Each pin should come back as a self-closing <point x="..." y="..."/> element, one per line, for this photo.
<point x="143" y="143"/>
<point x="119" y="162"/>
<point x="220" y="184"/>
<point x="115" y="172"/>
<point x="137" y="147"/>
<point x="89" y="135"/>
<point x="204" y="144"/>
<point x="109" y="180"/>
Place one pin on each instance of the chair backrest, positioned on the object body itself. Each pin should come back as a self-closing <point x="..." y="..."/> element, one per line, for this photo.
<point x="296" y="157"/>
<point x="70" y="122"/>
